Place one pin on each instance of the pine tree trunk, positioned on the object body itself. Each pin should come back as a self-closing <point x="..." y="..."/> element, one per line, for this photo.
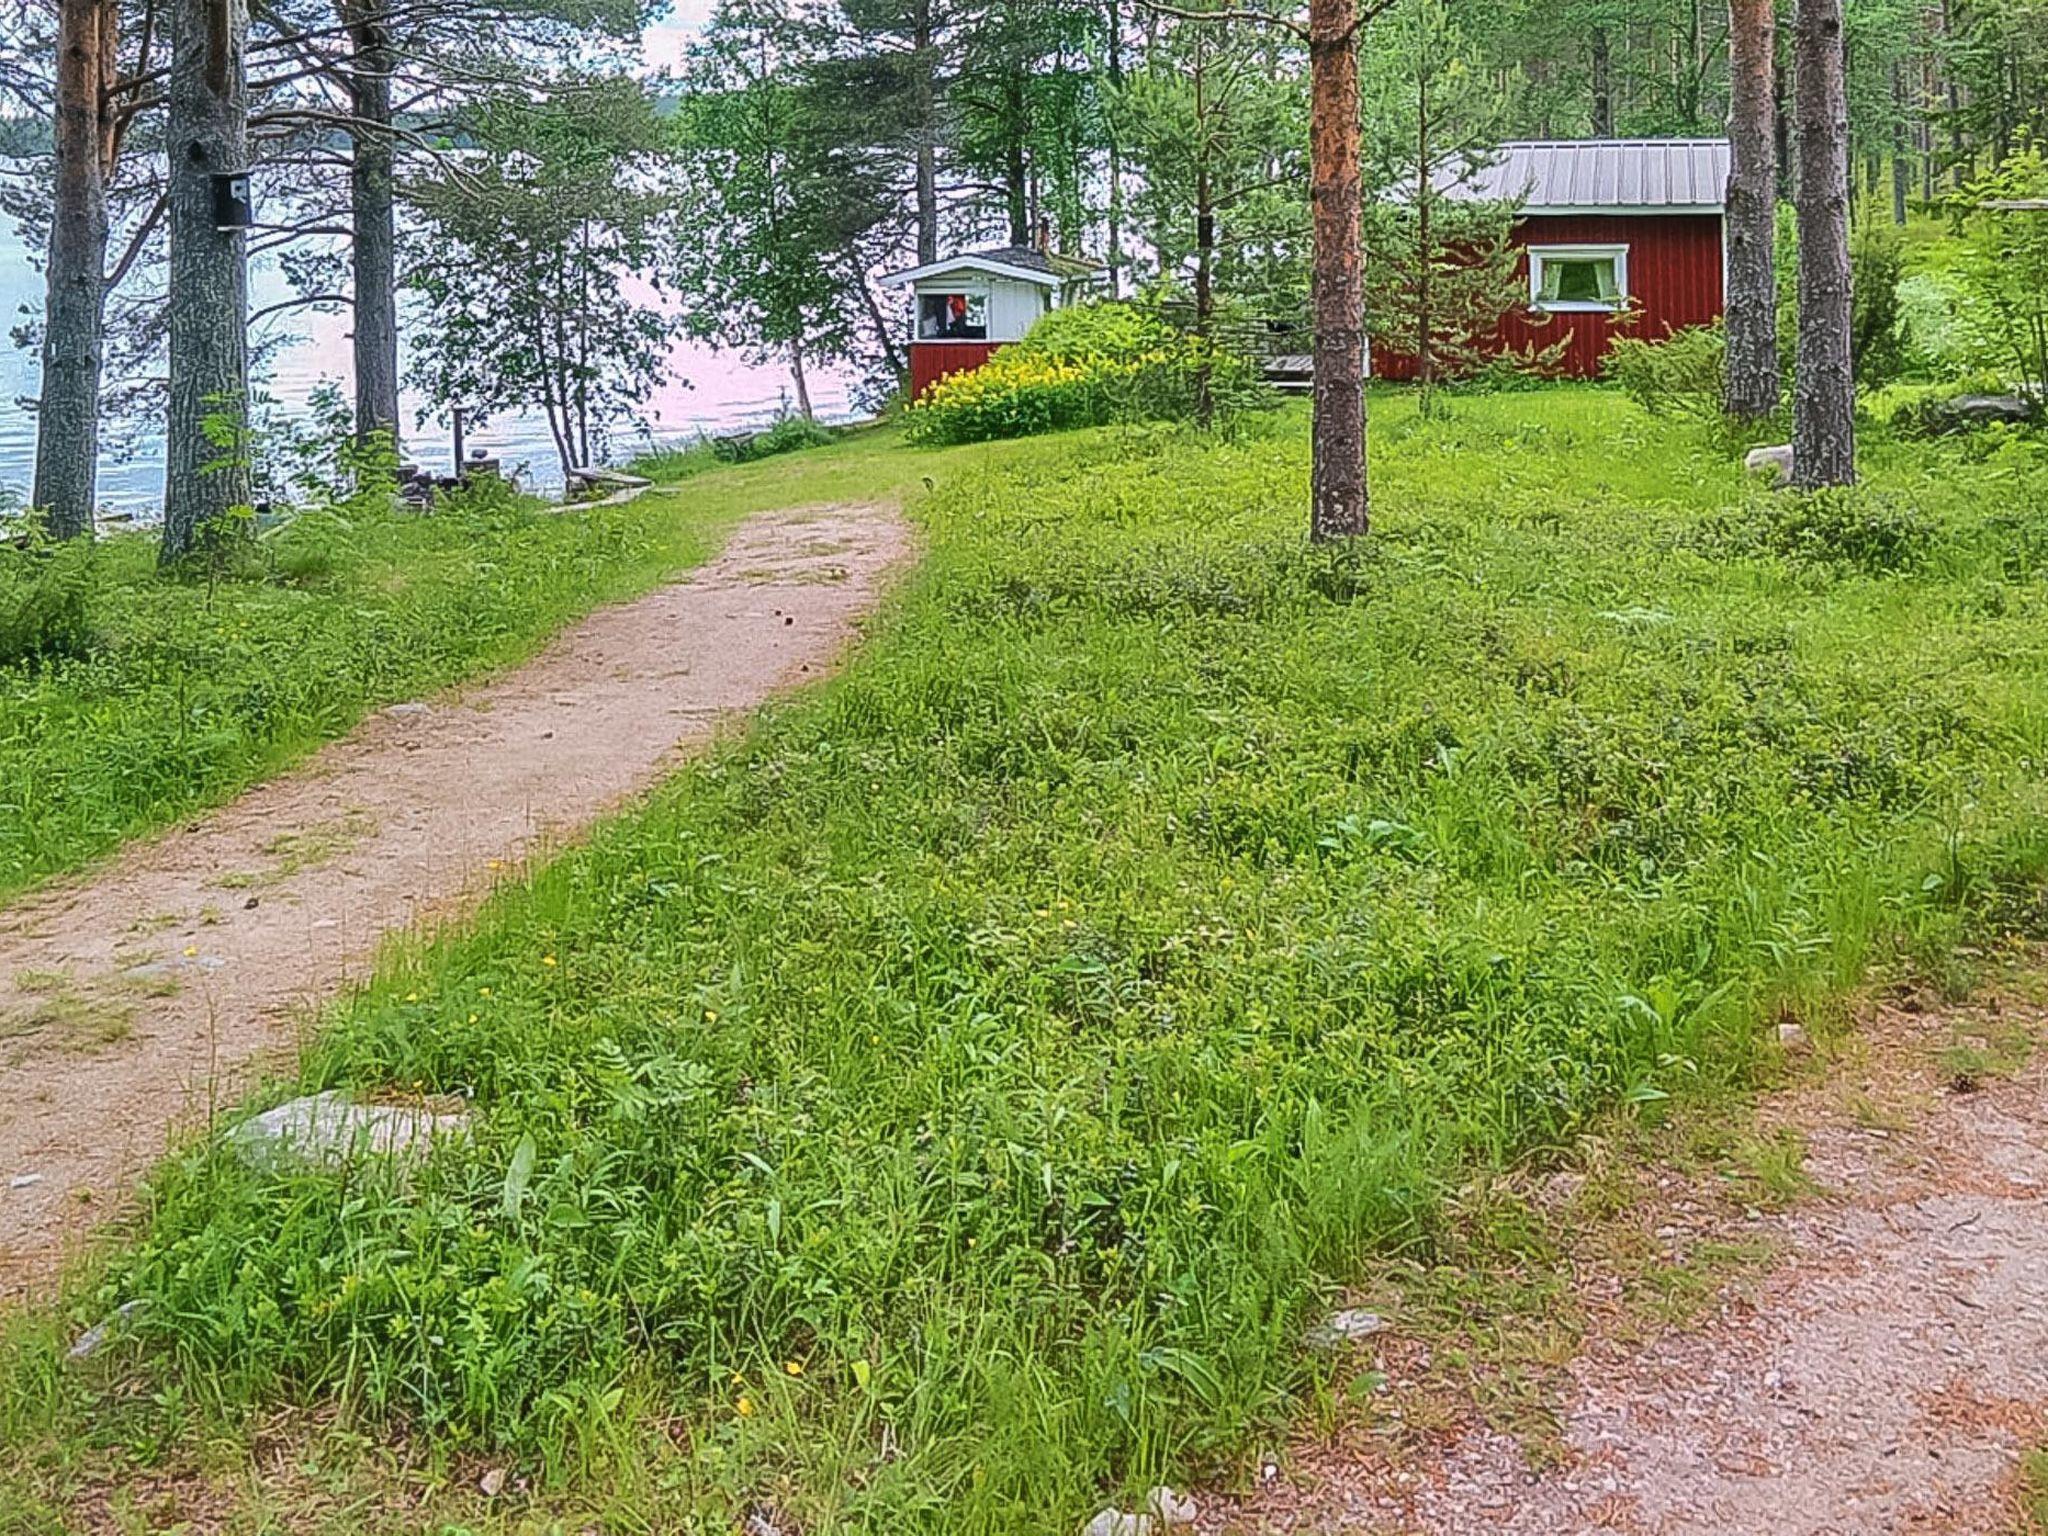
<point x="1114" y="58"/>
<point x="373" y="223"/>
<point x="1016" y="171"/>
<point x="1824" y="397"/>
<point x="1902" y="172"/>
<point x="1425" y="195"/>
<point x="922" y="41"/>
<point x="1341" y="505"/>
<point x="1603" y="85"/>
<point x="207" y="302"/>
<point x="68" y="417"/>
<point x="1751" y="387"/>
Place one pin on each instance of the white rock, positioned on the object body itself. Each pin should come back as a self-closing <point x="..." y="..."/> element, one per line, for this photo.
<point x="1344" y="1327"/>
<point x="492" y="1483"/>
<point x="94" y="1339"/>
<point x="1172" y="1508"/>
<point x="1792" y="1036"/>
<point x="1115" y="1522"/>
<point x="24" y="1180"/>
<point x="1776" y="461"/>
<point x="327" y="1128"/>
<point x="413" y="711"/>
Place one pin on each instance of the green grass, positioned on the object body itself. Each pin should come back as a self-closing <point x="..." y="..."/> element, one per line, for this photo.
<point x="194" y="692"/>
<point x="943" y="1109"/>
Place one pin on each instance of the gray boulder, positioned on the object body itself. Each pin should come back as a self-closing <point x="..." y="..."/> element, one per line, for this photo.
<point x="1967" y="411"/>
<point x="1775" y="462"/>
<point x="331" y="1128"/>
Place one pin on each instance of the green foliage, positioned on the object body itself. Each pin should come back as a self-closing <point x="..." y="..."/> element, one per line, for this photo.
<point x="1679" y="376"/>
<point x="46" y="596"/>
<point x="1877" y="339"/>
<point x="2006" y="271"/>
<point x="1923" y="410"/>
<point x="763" y="162"/>
<point x="526" y="270"/>
<point x="675" y="461"/>
<point x="790" y="434"/>
<point x="1869" y="530"/>
<point x="1088" y="365"/>
<point x="942" y="1109"/>
<point x="1215" y="111"/>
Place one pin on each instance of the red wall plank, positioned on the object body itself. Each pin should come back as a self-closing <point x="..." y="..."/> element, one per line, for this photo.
<point x="931" y="361"/>
<point x="1674" y="275"/>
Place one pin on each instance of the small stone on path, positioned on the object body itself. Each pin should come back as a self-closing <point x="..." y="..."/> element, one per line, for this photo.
<point x="1792" y="1036"/>
<point x="412" y="711"/>
<point x="1115" y="1522"/>
<point x="1173" y="1508"/>
<point x="1344" y="1326"/>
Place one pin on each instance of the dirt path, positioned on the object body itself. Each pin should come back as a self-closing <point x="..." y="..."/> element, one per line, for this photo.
<point x="133" y="999"/>
<point x="1884" y="1373"/>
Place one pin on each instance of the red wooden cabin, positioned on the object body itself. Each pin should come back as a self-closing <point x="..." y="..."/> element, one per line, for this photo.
<point x="1614" y="230"/>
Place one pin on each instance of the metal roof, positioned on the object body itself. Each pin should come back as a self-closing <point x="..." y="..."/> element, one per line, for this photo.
<point x="1597" y="175"/>
<point x="1025" y="262"/>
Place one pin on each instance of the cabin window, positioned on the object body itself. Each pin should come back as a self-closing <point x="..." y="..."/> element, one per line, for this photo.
<point x="1578" y="277"/>
<point x="952" y="317"/>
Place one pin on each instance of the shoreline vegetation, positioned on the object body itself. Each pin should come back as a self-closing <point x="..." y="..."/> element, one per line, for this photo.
<point x="945" y="1107"/>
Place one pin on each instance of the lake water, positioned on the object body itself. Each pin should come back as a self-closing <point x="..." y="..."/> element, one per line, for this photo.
<point x="704" y="391"/>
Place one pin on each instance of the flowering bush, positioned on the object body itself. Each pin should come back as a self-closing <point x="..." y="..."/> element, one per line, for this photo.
<point x="1082" y="367"/>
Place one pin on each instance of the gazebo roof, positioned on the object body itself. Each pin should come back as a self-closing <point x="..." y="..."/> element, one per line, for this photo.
<point x="1025" y="263"/>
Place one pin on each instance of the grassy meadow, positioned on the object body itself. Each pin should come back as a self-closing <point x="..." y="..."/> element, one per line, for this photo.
<point x="944" y="1108"/>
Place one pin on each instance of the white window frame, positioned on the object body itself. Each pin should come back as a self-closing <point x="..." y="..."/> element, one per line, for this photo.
<point x="1539" y="254"/>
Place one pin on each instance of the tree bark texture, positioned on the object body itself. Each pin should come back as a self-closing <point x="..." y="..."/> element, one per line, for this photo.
<point x="1823" y="398"/>
<point x="1603" y="85"/>
<point x="1340" y="504"/>
<point x="924" y="54"/>
<point x="66" y="485"/>
<point x="207" y="132"/>
<point x="373" y="221"/>
<point x="1902" y="171"/>
<point x="1751" y="387"/>
<point x="802" y="381"/>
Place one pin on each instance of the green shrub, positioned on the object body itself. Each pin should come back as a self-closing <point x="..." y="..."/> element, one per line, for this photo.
<point x="1089" y="365"/>
<point x="789" y="435"/>
<point x="1923" y="410"/>
<point x="1680" y="376"/>
<point x="1932" y="339"/>
<point x="675" y="461"/>
<point x="1877" y="343"/>
<point x="1853" y="526"/>
<point x="46" y="593"/>
<point x="2005" y="272"/>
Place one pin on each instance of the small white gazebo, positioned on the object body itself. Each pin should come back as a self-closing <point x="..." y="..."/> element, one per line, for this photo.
<point x="964" y="307"/>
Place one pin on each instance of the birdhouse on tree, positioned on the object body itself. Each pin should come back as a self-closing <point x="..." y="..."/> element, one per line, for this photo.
<point x="965" y="307"/>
